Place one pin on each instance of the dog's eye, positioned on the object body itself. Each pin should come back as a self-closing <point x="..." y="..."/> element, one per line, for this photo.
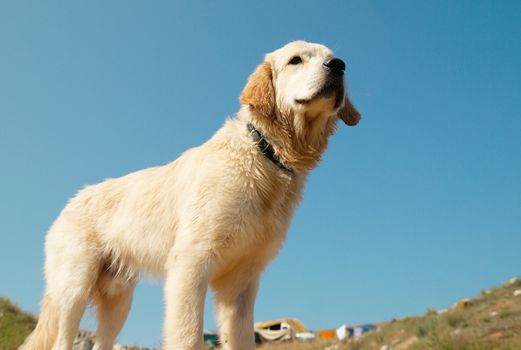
<point x="295" y="60"/>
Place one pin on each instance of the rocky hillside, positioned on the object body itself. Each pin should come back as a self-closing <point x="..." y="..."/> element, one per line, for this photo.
<point x="491" y="320"/>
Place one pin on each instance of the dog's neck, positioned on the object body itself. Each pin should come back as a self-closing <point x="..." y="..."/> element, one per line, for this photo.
<point x="266" y="148"/>
<point x="298" y="140"/>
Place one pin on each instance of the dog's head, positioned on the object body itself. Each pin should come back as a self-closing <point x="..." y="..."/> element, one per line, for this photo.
<point x="300" y="79"/>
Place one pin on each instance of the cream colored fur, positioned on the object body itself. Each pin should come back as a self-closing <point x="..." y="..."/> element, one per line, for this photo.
<point x="214" y="217"/>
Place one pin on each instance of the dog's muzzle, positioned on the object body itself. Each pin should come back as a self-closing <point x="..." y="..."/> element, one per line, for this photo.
<point x="333" y="85"/>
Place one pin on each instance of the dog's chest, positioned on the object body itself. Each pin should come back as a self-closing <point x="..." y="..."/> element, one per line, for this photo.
<point x="257" y="219"/>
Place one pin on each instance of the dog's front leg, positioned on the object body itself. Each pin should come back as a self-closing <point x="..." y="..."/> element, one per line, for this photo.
<point x="235" y="300"/>
<point x="185" y="290"/>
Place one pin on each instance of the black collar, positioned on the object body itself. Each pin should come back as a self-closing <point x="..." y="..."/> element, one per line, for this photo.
<point x="265" y="147"/>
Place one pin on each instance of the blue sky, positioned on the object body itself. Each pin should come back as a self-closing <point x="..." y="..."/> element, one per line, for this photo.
<point x="416" y="207"/>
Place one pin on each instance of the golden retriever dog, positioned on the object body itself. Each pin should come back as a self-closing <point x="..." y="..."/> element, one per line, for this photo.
<point x="215" y="217"/>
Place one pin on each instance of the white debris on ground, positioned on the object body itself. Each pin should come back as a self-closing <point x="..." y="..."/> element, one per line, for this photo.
<point x="85" y="341"/>
<point x="332" y="347"/>
<point x="305" y="336"/>
<point x="517" y="292"/>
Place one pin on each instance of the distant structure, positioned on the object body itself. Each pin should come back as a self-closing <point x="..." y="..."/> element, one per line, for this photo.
<point x="281" y="330"/>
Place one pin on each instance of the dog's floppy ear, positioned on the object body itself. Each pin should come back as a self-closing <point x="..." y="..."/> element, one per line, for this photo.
<point x="259" y="92"/>
<point x="349" y="114"/>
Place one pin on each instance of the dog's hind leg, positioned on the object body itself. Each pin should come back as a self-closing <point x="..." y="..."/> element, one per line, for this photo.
<point x="71" y="269"/>
<point x="112" y="297"/>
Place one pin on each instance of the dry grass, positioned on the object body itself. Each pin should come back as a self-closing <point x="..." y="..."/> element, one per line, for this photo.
<point x="15" y="325"/>
<point x="491" y="321"/>
<point x="298" y="345"/>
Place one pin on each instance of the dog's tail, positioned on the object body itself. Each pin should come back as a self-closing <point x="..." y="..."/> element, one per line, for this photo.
<point x="44" y="335"/>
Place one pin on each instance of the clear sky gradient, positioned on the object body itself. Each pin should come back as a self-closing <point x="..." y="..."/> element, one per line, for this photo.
<point x="416" y="207"/>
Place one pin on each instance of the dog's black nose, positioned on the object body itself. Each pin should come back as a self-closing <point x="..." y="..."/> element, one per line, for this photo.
<point x="335" y="65"/>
